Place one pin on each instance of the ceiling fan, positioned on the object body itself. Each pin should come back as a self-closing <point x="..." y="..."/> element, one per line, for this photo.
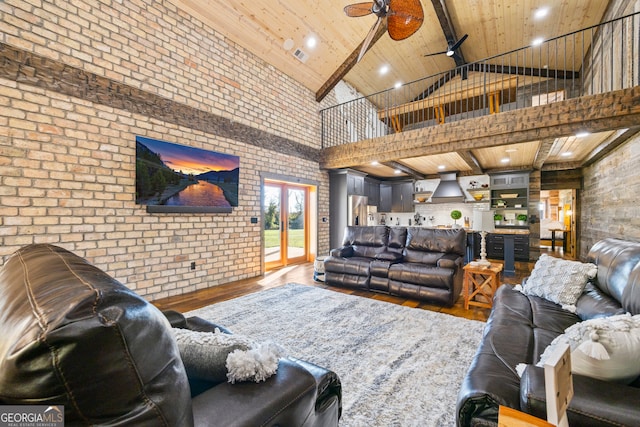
<point x="451" y="50"/>
<point x="401" y="17"/>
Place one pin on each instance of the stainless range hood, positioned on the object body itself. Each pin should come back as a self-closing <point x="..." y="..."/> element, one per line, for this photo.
<point x="448" y="191"/>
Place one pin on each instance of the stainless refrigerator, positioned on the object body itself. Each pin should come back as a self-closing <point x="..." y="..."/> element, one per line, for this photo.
<point x="357" y="214"/>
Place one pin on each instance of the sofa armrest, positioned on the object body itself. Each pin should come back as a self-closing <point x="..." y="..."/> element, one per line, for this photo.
<point x="450" y="261"/>
<point x="342" y="252"/>
<point x="194" y="323"/>
<point x="296" y="395"/>
<point x="595" y="402"/>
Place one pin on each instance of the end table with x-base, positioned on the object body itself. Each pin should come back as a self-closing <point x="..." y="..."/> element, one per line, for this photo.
<point x="481" y="281"/>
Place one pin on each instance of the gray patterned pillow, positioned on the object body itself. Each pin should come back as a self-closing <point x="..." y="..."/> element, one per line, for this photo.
<point x="558" y="280"/>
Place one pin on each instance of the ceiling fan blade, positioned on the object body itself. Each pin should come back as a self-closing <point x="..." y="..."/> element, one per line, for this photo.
<point x="457" y="44"/>
<point x="367" y="40"/>
<point x="359" y="9"/>
<point x="437" y="53"/>
<point x="405" y="18"/>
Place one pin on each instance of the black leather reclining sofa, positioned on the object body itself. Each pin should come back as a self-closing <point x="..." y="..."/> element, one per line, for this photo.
<point x="520" y="327"/>
<point x="74" y="336"/>
<point x="414" y="262"/>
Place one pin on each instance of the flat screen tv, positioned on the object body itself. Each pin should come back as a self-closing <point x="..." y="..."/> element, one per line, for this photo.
<point x="177" y="178"/>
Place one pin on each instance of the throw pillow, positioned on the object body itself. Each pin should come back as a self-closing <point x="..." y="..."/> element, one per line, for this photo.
<point x="604" y="348"/>
<point x="558" y="280"/>
<point x="219" y="357"/>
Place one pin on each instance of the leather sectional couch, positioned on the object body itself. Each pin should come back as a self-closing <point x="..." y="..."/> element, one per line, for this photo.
<point x="521" y="326"/>
<point x="414" y="262"/>
<point x="73" y="336"/>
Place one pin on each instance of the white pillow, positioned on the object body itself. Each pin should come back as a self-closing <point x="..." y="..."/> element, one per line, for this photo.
<point x="606" y="348"/>
<point x="558" y="280"/>
<point x="218" y="357"/>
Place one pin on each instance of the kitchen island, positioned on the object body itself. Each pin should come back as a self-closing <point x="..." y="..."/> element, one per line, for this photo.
<point x="508" y="244"/>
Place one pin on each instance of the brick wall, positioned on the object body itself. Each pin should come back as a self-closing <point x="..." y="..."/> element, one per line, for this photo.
<point x="67" y="151"/>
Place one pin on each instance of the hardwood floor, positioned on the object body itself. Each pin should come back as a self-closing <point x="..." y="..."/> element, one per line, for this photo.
<point x="303" y="274"/>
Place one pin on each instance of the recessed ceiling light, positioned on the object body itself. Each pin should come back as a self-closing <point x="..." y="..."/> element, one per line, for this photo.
<point x="441" y="167"/>
<point x="397" y="171"/>
<point x="582" y="134"/>
<point x="537" y="42"/>
<point x="384" y="69"/>
<point x="541" y="13"/>
<point x="375" y="163"/>
<point x="312" y="41"/>
<point x="505" y="160"/>
<point x="567" y="154"/>
<point x="398" y="85"/>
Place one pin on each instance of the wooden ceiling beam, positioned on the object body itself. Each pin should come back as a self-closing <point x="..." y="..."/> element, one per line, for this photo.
<point x="610" y="144"/>
<point x="543" y="152"/>
<point x="347" y="65"/>
<point x="404" y="168"/>
<point x="472" y="161"/>
<point x="447" y="28"/>
<point x="524" y="71"/>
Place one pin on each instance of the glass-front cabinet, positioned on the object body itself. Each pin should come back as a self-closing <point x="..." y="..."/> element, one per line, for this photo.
<point x="510" y="199"/>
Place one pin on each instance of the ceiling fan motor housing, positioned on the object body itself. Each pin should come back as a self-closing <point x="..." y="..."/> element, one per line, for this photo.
<point x="380" y="7"/>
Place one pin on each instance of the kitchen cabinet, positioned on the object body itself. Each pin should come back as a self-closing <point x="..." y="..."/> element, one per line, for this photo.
<point x="509" y="180"/>
<point x="355" y="185"/>
<point x="385" y="197"/>
<point x="510" y="197"/>
<point x="495" y="246"/>
<point x="372" y="191"/>
<point x="402" y="196"/>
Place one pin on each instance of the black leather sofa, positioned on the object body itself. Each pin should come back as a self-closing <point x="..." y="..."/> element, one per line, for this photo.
<point x="520" y="327"/>
<point x="71" y="335"/>
<point x="414" y="262"/>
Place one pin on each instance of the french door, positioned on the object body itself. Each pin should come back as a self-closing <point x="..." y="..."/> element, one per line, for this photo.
<point x="285" y="223"/>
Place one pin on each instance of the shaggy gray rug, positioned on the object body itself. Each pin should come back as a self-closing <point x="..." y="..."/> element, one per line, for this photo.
<point x="399" y="366"/>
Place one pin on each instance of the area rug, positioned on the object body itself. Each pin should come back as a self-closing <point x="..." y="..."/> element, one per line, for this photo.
<point x="399" y="366"/>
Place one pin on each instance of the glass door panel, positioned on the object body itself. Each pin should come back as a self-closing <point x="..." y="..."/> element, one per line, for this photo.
<point x="296" y="224"/>
<point x="272" y="225"/>
<point x="286" y="231"/>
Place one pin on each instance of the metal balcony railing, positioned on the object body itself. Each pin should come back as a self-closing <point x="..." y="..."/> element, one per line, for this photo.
<point x="598" y="59"/>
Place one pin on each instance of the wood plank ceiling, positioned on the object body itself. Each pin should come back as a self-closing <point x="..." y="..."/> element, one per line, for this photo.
<point x="274" y="29"/>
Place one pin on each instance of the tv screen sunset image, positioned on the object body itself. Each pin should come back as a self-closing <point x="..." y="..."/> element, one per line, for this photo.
<point x="178" y="175"/>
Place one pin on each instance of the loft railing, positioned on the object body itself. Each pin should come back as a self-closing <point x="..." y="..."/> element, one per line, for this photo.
<point x="598" y="59"/>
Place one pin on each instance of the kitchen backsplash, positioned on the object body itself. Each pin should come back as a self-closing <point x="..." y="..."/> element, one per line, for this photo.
<point x="433" y="215"/>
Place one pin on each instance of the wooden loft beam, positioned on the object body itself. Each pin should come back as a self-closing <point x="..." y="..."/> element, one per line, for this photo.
<point x="618" y="109"/>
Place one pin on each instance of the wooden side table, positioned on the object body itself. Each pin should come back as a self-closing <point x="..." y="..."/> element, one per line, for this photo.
<point x="480" y="280"/>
